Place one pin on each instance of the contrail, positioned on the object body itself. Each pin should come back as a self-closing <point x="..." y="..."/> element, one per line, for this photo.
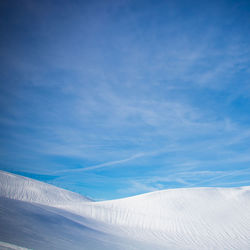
<point x="106" y="164"/>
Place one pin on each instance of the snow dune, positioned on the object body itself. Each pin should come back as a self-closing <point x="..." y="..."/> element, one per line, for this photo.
<point x="26" y="189"/>
<point x="40" y="216"/>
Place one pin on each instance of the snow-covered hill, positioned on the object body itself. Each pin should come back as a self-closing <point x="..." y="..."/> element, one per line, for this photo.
<point x="39" y="216"/>
<point x="26" y="189"/>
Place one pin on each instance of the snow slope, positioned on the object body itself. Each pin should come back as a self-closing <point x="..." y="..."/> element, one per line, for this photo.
<point x="40" y="216"/>
<point x="26" y="189"/>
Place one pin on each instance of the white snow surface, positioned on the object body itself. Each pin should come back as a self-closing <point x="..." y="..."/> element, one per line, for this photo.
<point x="36" y="215"/>
<point x="26" y="189"/>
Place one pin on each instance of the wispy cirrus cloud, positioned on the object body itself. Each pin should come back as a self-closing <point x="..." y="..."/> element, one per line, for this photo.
<point x="187" y="179"/>
<point x="103" y="165"/>
<point x="122" y="78"/>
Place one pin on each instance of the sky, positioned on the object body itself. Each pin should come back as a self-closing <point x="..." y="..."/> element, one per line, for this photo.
<point x="117" y="98"/>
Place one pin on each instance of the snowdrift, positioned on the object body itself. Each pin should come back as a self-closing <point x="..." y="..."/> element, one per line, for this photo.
<point x="26" y="189"/>
<point x="40" y="216"/>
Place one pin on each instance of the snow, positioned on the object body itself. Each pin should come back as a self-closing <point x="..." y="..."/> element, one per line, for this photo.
<point x="22" y="188"/>
<point x="40" y="216"/>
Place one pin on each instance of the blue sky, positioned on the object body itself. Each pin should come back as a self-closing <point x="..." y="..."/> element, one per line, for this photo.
<point x="117" y="98"/>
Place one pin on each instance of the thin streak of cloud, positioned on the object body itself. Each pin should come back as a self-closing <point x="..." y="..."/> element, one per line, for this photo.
<point x="192" y="178"/>
<point x="103" y="165"/>
<point x="222" y="175"/>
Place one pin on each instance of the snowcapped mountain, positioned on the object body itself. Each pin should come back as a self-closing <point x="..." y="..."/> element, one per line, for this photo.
<point x="40" y="216"/>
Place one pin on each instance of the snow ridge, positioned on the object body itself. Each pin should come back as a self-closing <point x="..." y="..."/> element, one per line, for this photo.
<point x="191" y="218"/>
<point x="22" y="188"/>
